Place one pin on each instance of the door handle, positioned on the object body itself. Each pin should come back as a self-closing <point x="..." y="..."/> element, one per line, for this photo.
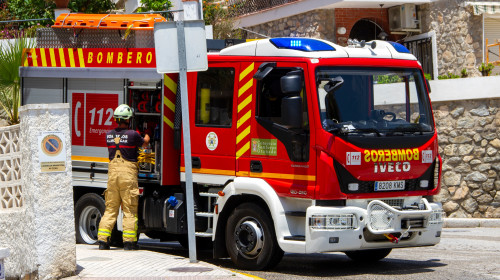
<point x="255" y="166"/>
<point x="196" y="162"/>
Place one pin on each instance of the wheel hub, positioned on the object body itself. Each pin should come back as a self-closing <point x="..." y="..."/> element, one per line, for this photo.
<point x="249" y="238"/>
<point x="89" y="223"/>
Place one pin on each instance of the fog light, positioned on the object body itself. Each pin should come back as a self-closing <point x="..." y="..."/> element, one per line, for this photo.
<point x="424" y="183"/>
<point x="346" y="221"/>
<point x="436" y="217"/>
<point x="353" y="187"/>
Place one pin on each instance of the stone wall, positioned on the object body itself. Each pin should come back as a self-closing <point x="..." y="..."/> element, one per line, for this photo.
<point x="458" y="35"/>
<point x="469" y="143"/>
<point x="314" y="24"/>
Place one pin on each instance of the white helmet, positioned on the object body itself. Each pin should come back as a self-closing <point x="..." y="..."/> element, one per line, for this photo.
<point x="123" y="112"/>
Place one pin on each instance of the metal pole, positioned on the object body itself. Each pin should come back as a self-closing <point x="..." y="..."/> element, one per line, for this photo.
<point x="181" y="43"/>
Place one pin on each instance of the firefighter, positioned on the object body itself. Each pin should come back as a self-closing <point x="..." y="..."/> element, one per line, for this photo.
<point x="122" y="189"/>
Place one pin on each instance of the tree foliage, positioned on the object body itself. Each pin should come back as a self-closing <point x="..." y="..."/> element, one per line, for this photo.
<point x="37" y="9"/>
<point x="221" y="16"/>
<point x="11" y="55"/>
<point x="154" y="5"/>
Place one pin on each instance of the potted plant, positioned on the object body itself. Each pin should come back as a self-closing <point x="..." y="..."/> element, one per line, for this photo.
<point x="486" y="69"/>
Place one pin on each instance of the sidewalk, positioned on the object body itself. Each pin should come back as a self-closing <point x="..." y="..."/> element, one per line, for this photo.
<point x="144" y="264"/>
<point x="116" y="263"/>
<point x="471" y="223"/>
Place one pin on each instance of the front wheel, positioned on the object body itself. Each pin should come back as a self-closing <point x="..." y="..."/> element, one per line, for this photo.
<point x="251" y="238"/>
<point x="368" y="255"/>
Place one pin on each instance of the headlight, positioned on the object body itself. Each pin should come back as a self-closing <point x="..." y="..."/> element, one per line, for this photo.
<point x="347" y="221"/>
<point x="436" y="217"/>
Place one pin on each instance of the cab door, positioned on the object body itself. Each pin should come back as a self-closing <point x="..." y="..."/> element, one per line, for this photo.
<point x="213" y="123"/>
<point x="273" y="149"/>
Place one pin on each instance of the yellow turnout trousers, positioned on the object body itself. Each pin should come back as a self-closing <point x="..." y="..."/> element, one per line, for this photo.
<point x="122" y="190"/>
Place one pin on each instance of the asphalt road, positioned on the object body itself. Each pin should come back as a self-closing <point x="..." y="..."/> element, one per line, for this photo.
<point x="464" y="253"/>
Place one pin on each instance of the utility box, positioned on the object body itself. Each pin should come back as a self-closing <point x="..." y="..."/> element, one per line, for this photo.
<point x="4" y="253"/>
<point x="403" y="17"/>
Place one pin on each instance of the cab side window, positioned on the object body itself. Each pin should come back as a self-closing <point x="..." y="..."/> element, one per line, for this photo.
<point x="214" y="97"/>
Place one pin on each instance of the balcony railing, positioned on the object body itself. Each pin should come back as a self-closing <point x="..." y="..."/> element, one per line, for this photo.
<point x="243" y="7"/>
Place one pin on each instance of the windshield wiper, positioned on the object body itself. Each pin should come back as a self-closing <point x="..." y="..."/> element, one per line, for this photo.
<point x="365" y="129"/>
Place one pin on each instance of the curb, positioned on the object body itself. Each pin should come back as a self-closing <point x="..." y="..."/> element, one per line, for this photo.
<point x="471" y="223"/>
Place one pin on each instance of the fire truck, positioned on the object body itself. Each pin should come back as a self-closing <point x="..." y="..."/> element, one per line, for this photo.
<point x="299" y="145"/>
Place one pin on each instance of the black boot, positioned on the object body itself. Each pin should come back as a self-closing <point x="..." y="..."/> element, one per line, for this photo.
<point x="129" y="246"/>
<point x="103" y="245"/>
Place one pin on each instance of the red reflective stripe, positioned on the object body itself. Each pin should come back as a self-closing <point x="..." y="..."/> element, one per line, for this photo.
<point x="130" y="147"/>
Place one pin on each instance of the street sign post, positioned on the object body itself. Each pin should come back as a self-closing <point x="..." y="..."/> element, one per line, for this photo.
<point x="173" y="57"/>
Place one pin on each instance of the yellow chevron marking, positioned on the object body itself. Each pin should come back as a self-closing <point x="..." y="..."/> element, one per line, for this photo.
<point x="168" y="103"/>
<point x="84" y="158"/>
<point x="243" y="134"/>
<point x="248" y="70"/>
<point x="52" y="57"/>
<point x="243" y="150"/>
<point x="243" y="119"/>
<point x="61" y="57"/>
<point x="171" y="85"/>
<point x="211" y="171"/>
<point x="71" y="57"/>
<point x="44" y="60"/>
<point x="33" y="56"/>
<point x="244" y="103"/>
<point x="245" y="87"/>
<point x="167" y="121"/>
<point x="80" y="57"/>
<point x="25" y="57"/>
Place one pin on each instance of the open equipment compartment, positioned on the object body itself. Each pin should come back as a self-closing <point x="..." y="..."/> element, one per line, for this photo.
<point x="144" y="97"/>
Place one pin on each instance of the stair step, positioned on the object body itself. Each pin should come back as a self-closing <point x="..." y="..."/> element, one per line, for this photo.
<point x="205" y="214"/>
<point x="203" y="234"/>
<point x="295" y="213"/>
<point x="295" y="238"/>
<point x="209" y="194"/>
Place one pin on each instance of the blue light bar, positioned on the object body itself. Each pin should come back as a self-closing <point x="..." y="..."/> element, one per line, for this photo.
<point x="399" y="48"/>
<point x="301" y="44"/>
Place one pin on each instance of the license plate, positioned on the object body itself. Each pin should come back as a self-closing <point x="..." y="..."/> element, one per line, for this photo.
<point x="390" y="186"/>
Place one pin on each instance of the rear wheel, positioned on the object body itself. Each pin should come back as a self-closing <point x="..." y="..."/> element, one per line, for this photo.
<point x="88" y="212"/>
<point x="251" y="239"/>
<point x="368" y="255"/>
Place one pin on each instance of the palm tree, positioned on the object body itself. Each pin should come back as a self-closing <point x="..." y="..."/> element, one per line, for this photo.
<point x="11" y="57"/>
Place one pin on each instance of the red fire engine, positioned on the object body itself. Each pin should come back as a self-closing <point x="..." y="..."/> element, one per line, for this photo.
<point x="298" y="145"/>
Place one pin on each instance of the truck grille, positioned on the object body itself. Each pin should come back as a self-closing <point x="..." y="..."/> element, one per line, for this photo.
<point x="346" y="178"/>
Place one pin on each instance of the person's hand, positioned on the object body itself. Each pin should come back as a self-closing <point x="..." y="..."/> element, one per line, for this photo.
<point x="146" y="140"/>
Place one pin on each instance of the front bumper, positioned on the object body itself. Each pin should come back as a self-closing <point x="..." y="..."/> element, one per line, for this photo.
<point x="371" y="227"/>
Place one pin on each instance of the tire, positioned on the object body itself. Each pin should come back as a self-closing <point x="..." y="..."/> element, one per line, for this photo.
<point x="368" y="255"/>
<point x="88" y="212"/>
<point x="251" y="239"/>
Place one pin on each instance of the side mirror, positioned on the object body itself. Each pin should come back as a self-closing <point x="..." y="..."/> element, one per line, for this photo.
<point x="291" y="111"/>
<point x="291" y="84"/>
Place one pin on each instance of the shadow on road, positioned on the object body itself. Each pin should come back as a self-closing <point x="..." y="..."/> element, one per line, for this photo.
<point x="312" y="265"/>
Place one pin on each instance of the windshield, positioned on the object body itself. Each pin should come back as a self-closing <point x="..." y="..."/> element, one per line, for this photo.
<point x="381" y="101"/>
